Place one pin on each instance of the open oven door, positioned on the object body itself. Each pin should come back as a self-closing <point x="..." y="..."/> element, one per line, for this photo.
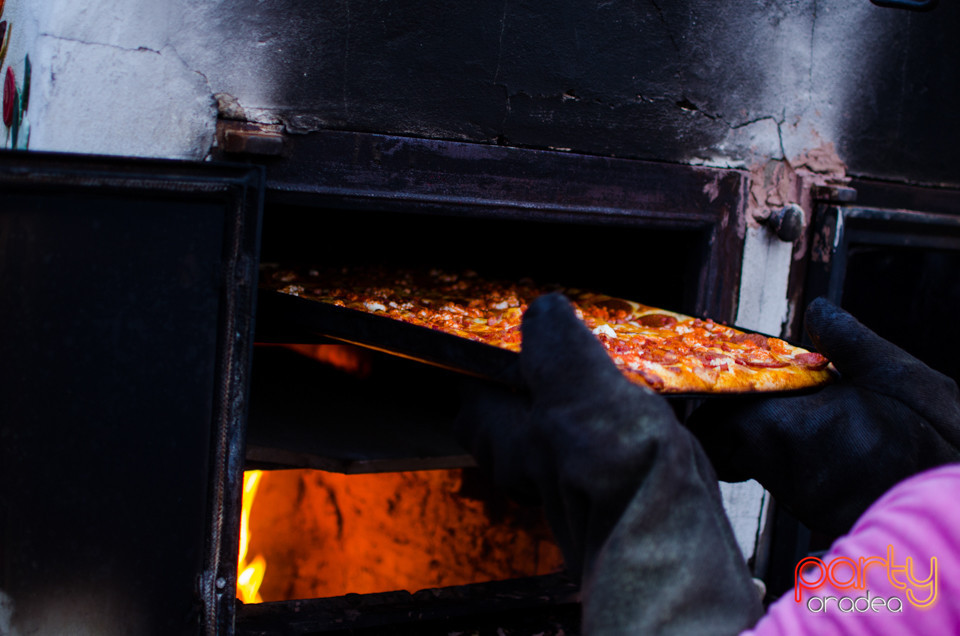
<point x="889" y="254"/>
<point x="128" y="292"/>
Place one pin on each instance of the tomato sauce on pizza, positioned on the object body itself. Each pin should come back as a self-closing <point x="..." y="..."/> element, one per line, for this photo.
<point x="663" y="350"/>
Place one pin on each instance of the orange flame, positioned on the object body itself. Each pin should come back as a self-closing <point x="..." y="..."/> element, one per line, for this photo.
<point x="249" y="575"/>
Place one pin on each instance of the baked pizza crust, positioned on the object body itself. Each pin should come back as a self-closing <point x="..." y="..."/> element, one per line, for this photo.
<point x="664" y="350"/>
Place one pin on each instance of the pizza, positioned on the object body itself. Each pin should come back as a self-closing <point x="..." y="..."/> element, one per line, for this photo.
<point x="666" y="351"/>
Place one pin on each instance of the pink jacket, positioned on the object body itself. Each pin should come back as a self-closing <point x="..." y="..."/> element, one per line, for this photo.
<point x="896" y="572"/>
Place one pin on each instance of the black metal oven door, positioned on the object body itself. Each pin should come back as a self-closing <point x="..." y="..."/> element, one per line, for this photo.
<point x="891" y="258"/>
<point x="128" y="292"/>
<point x="894" y="268"/>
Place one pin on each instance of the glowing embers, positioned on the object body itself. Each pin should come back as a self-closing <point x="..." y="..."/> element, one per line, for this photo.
<point x="327" y="534"/>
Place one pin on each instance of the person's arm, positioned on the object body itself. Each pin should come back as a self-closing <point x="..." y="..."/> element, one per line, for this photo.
<point x="918" y="521"/>
<point x="828" y="455"/>
<point x="628" y="491"/>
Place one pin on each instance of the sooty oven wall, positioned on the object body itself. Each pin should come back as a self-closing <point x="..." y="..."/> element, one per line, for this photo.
<point x="690" y="81"/>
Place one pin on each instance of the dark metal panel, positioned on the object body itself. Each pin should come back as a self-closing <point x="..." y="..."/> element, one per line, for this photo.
<point x="840" y="227"/>
<point x="127" y="322"/>
<point x="825" y="273"/>
<point x="718" y="290"/>
<point x="894" y="270"/>
<point x="902" y="196"/>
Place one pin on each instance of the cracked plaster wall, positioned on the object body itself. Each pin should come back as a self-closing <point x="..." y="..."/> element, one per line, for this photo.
<point x="108" y="80"/>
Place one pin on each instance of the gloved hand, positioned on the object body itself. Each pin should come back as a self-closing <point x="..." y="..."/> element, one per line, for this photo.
<point x="827" y="456"/>
<point x="628" y="492"/>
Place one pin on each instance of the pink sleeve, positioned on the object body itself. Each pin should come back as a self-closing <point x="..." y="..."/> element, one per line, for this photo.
<point x="896" y="572"/>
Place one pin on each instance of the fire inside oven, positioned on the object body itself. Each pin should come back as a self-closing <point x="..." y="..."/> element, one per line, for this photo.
<point x="364" y="489"/>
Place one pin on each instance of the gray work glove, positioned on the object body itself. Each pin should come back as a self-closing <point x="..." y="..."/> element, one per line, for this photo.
<point x="828" y="455"/>
<point x="628" y="492"/>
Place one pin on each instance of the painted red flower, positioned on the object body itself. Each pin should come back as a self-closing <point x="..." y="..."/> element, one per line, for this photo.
<point x="9" y="97"/>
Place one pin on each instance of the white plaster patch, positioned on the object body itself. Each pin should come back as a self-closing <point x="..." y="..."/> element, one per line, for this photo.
<point x="111" y="100"/>
<point x="763" y="282"/>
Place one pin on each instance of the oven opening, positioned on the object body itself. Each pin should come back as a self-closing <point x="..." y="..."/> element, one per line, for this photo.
<point x="621" y="258"/>
<point x="365" y="490"/>
<point x="317" y="534"/>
